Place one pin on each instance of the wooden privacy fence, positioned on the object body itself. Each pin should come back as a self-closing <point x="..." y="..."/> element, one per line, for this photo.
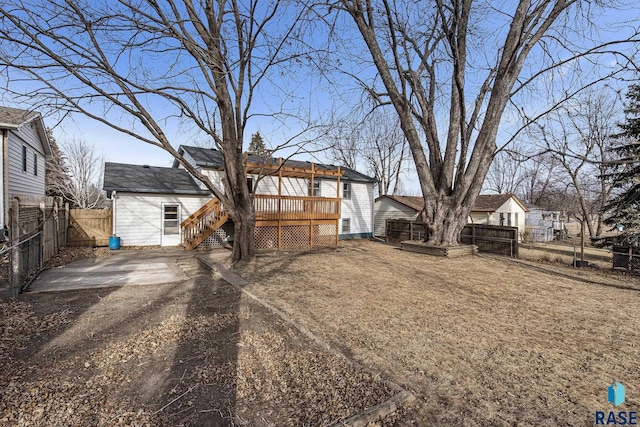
<point x="489" y="238"/>
<point x="90" y="227"/>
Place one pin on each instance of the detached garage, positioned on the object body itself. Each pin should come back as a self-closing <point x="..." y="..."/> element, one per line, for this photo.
<point x="150" y="202"/>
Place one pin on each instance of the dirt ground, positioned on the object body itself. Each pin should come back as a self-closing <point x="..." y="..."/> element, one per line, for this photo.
<point x="194" y="353"/>
<point x="480" y="340"/>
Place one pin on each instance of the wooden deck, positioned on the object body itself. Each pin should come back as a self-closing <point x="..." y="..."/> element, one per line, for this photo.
<point x="295" y="208"/>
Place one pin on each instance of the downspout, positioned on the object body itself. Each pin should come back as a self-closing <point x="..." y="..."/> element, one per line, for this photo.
<point x="114" y="203"/>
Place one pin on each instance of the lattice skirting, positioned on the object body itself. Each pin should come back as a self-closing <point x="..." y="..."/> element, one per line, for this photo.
<point x="216" y="239"/>
<point x="295" y="236"/>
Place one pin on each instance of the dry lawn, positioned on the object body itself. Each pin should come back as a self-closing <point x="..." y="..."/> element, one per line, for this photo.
<point x="194" y="353"/>
<point x="479" y="340"/>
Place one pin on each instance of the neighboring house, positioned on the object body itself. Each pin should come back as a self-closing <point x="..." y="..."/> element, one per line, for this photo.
<point x="297" y="203"/>
<point x="543" y="225"/>
<point x="493" y="209"/>
<point x="24" y="143"/>
<point x="499" y="209"/>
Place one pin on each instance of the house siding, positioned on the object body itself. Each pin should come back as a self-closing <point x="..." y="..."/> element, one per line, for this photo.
<point x="138" y="217"/>
<point x="3" y="140"/>
<point x="21" y="182"/>
<point x="385" y="209"/>
<point x="359" y="209"/>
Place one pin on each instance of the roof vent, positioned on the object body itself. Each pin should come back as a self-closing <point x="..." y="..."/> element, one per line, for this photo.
<point x="145" y="166"/>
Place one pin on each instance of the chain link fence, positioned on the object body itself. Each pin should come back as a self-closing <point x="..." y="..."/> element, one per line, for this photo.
<point x="19" y="263"/>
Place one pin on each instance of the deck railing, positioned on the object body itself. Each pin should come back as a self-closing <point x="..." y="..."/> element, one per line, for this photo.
<point x="197" y="227"/>
<point x="272" y="207"/>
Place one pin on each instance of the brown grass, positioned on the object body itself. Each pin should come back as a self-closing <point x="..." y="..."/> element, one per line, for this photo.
<point x="480" y="340"/>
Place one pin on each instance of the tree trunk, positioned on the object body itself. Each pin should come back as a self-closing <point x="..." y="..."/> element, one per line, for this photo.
<point x="244" y="222"/>
<point x="241" y="211"/>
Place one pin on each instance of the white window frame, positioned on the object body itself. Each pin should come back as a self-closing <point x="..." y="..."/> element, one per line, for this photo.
<point x="316" y="188"/>
<point x="346" y="222"/>
<point x="346" y="190"/>
<point x="164" y="219"/>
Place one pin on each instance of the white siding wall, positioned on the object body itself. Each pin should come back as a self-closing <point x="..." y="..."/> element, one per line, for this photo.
<point x="510" y="206"/>
<point x="215" y="177"/>
<point x="389" y="209"/>
<point x="479" y="218"/>
<point x="3" y="136"/>
<point x="21" y="182"/>
<point x="359" y="209"/>
<point x="138" y="217"/>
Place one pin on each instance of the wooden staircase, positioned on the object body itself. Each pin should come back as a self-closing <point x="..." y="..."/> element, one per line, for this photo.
<point x="202" y="223"/>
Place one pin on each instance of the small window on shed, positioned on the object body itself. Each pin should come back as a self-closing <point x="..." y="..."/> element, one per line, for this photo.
<point x="250" y="184"/>
<point x="346" y="225"/>
<point x="24" y="158"/>
<point x="35" y="164"/>
<point x="346" y="190"/>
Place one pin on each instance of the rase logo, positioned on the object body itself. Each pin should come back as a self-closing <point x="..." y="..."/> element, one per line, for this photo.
<point x="615" y="396"/>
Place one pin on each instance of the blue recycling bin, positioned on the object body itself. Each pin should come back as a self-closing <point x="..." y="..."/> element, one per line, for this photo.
<point x="114" y="243"/>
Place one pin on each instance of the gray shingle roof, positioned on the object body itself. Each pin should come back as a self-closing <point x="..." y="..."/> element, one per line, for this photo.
<point x="483" y="203"/>
<point x="12" y="118"/>
<point x="491" y="202"/>
<point x="149" y="179"/>
<point x="212" y="158"/>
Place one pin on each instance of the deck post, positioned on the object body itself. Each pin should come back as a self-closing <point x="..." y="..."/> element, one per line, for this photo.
<point x="311" y="204"/>
<point x="279" y="203"/>
<point x="339" y="207"/>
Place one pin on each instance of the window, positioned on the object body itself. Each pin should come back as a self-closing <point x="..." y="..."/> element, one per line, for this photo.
<point x="24" y="158"/>
<point x="346" y="225"/>
<point x="501" y="219"/>
<point x="35" y="164"/>
<point x="250" y="184"/>
<point x="170" y="217"/>
<point x="346" y="190"/>
<point x="316" y="188"/>
<point x="509" y="219"/>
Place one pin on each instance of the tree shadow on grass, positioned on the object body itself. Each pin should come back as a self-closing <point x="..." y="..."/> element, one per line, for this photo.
<point x="168" y="352"/>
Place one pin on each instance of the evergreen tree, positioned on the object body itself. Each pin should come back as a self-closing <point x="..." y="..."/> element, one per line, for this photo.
<point x="56" y="170"/>
<point x="256" y="146"/>
<point x="624" y="208"/>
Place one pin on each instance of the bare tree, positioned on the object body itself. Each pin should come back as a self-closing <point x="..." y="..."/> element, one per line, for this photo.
<point x="506" y="172"/>
<point x="440" y="57"/>
<point x="377" y="143"/>
<point x="139" y="66"/>
<point x="84" y="168"/>
<point x="579" y="136"/>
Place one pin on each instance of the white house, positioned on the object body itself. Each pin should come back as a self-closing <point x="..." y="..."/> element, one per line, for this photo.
<point x="25" y="145"/>
<point x="499" y="209"/>
<point x="492" y="209"/>
<point x="297" y="203"/>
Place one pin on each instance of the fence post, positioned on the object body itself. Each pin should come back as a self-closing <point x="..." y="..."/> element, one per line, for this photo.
<point x="15" y="239"/>
<point x="411" y="230"/>
<point x="56" y="227"/>
<point x="630" y="257"/>
<point x="67" y="218"/>
<point x="45" y="230"/>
